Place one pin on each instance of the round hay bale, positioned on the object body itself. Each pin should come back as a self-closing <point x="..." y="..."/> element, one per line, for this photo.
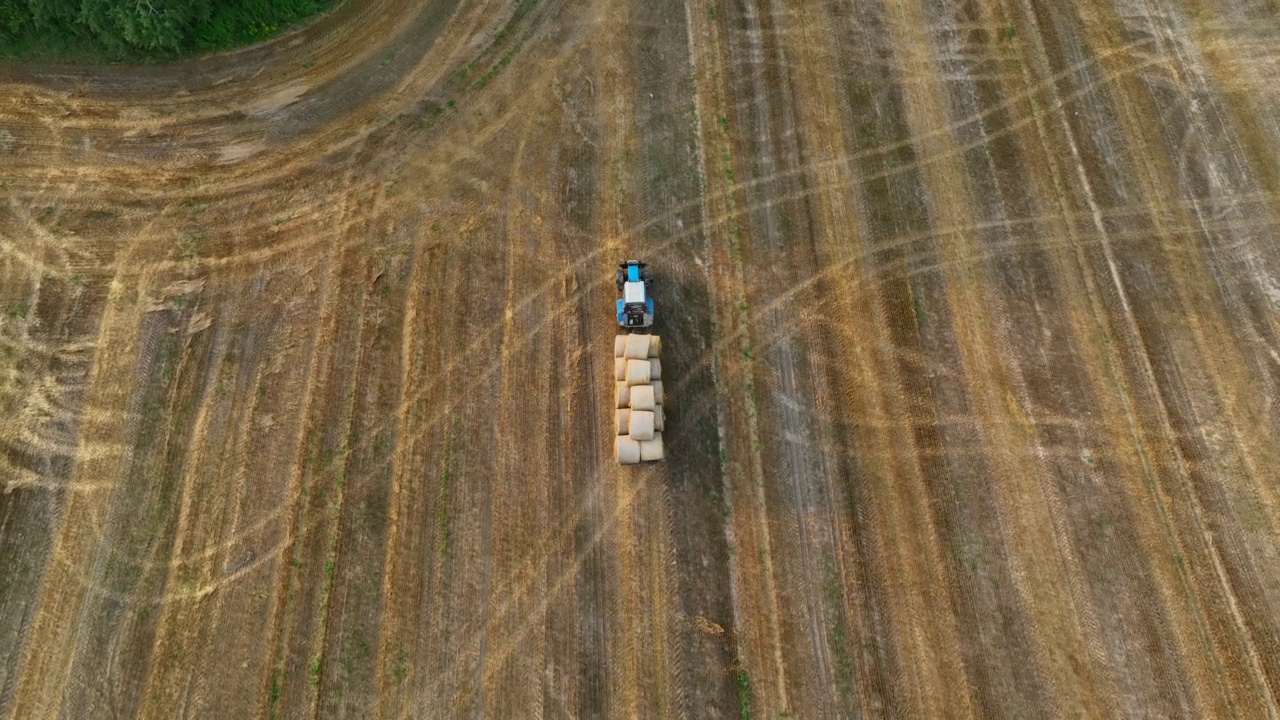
<point x="659" y="419"/>
<point x="637" y="372"/>
<point x="655" y="346"/>
<point x="655" y="368"/>
<point x="621" y="421"/>
<point x="641" y="425"/>
<point x="657" y="392"/>
<point x="651" y="450"/>
<point x="619" y="345"/>
<point x="619" y="368"/>
<point x="622" y="394"/>
<point x="641" y="397"/>
<point x="637" y="347"/>
<point x="626" y="450"/>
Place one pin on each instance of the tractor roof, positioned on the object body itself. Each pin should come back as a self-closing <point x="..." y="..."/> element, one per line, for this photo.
<point x="633" y="292"/>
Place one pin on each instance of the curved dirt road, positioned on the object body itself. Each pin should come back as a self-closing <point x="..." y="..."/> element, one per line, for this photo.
<point x="972" y="330"/>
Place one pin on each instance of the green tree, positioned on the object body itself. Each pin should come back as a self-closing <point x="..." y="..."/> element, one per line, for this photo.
<point x="51" y="13"/>
<point x="151" y="26"/>
<point x="142" y="29"/>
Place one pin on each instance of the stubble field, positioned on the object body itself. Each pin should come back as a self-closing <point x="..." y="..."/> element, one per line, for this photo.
<point x="971" y="320"/>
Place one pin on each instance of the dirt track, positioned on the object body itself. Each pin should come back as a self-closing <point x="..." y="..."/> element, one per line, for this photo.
<point x="972" y="338"/>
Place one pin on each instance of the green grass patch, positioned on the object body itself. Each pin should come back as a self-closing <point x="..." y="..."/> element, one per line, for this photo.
<point x="168" y="356"/>
<point x="493" y="71"/>
<point x="447" y="471"/>
<point x="507" y="33"/>
<point x="275" y="692"/>
<point x="833" y="593"/>
<point x="744" y="692"/>
<point x="16" y="310"/>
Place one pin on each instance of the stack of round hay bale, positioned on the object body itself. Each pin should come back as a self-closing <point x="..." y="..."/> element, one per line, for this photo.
<point x="637" y="372"/>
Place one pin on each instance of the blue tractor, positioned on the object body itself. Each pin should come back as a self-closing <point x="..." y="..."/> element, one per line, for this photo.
<point x="635" y="308"/>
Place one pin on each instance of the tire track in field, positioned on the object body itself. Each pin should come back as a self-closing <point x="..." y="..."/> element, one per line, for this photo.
<point x="764" y="57"/>
<point x="690" y="669"/>
<point x="906" y="261"/>
<point x="1132" y="417"/>
<point x="139" y="517"/>
<point x="334" y="544"/>
<point x="746" y="590"/>
<point x="587" y="643"/>
<point x="641" y="516"/>
<point x="920" y="656"/>
<point x="511" y="530"/>
<point x="1178" y="386"/>
<point x="218" y="97"/>
<point x="521" y="336"/>
<point x="623" y="642"/>
<point x="297" y="526"/>
<point x="524" y="622"/>
<point x="787" y="296"/>
<point x="304" y="244"/>
<point x="850" y="620"/>
<point x="400" y="518"/>
<point x="194" y="593"/>
<point x="221" y="614"/>
<point x="49" y="644"/>
<point x="198" y="499"/>
<point x="273" y="167"/>
<point x="1060" y="629"/>
<point x="1226" y="171"/>
<point x="997" y="193"/>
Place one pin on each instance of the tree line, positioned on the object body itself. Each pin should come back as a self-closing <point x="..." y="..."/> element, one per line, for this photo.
<point x="142" y="29"/>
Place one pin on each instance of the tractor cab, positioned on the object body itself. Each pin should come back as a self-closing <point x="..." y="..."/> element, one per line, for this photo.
<point x="635" y="308"/>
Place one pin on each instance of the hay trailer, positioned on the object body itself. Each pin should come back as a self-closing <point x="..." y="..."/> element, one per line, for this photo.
<point x="638" y="396"/>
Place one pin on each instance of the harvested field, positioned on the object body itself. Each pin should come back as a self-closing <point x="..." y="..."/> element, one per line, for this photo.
<point x="971" y="324"/>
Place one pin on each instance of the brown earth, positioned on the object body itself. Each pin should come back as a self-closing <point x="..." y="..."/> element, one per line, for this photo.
<point x="972" y="336"/>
